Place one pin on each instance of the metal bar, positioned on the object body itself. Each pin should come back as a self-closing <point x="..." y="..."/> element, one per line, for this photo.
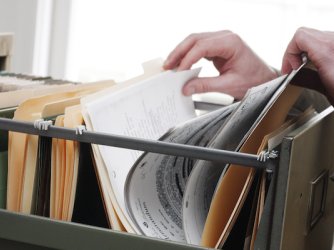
<point x="167" y="148"/>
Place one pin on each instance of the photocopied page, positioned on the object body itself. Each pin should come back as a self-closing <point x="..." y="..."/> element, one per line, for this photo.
<point x="146" y="109"/>
<point x="234" y="186"/>
<point x="201" y="184"/>
<point x="156" y="183"/>
<point x="150" y="68"/>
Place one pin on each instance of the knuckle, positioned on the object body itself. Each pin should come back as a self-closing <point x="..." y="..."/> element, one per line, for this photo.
<point x="229" y="32"/>
<point x="201" y="43"/>
<point x="235" y="38"/>
<point x="225" y="32"/>
<point x="300" y="33"/>
<point x="193" y="36"/>
<point x="202" y="47"/>
<point x="301" y="29"/>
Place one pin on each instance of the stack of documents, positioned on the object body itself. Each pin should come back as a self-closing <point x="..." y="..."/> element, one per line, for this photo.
<point x="168" y="197"/>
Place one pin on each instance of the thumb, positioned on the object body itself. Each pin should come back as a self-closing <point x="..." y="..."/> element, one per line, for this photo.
<point x="290" y="62"/>
<point x="224" y="83"/>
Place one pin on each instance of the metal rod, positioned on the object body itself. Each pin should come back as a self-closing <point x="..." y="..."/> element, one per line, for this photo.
<point x="161" y="147"/>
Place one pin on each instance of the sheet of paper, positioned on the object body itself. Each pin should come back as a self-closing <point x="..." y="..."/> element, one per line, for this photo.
<point x="233" y="187"/>
<point x="145" y="110"/>
<point x="156" y="183"/>
<point x="201" y="184"/>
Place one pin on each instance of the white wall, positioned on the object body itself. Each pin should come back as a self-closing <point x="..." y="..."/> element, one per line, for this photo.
<point x="19" y="17"/>
<point x="59" y="38"/>
<point x="109" y="39"/>
<point x="87" y="40"/>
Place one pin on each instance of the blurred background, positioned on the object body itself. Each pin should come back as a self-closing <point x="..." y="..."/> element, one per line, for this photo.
<point x="86" y="40"/>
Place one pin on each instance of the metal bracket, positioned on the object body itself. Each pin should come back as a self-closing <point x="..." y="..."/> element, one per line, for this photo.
<point x="40" y="124"/>
<point x="79" y="129"/>
<point x="266" y="155"/>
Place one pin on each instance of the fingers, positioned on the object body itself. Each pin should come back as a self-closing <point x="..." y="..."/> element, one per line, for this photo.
<point x="304" y="40"/>
<point x="205" y="45"/>
<point x="227" y="83"/>
<point x="223" y="46"/>
<point x="174" y="58"/>
<point x="319" y="46"/>
<point x="291" y="58"/>
<point x="238" y="66"/>
<point x="198" y="85"/>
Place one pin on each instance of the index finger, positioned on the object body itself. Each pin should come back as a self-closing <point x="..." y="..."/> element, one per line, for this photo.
<point x="176" y="56"/>
<point x="223" y="45"/>
<point x="303" y="41"/>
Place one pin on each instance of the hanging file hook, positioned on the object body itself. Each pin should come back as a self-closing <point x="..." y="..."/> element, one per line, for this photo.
<point x="304" y="57"/>
<point x="79" y="129"/>
<point x="266" y="155"/>
<point x="40" y="124"/>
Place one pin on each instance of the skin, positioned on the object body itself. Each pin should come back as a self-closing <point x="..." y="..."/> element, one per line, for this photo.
<point x="228" y="52"/>
<point x="240" y="68"/>
<point x="319" y="47"/>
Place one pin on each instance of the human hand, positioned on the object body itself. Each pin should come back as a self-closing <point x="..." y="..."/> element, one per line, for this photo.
<point x="319" y="46"/>
<point x="238" y="66"/>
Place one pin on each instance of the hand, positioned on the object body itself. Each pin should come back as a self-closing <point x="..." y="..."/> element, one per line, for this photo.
<point x="238" y="66"/>
<point x="319" y="46"/>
